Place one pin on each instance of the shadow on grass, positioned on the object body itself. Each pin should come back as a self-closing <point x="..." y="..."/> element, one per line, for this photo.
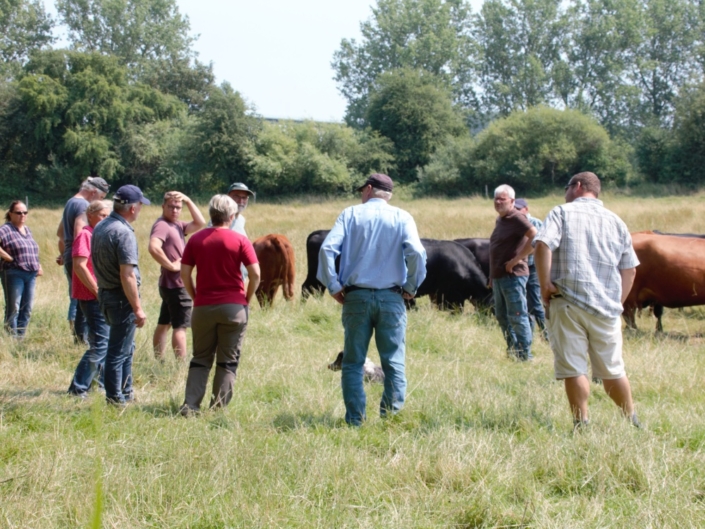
<point x="285" y="422"/>
<point x="167" y="409"/>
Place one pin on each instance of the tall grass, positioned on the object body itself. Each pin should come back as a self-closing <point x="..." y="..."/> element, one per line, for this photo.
<point x="482" y="441"/>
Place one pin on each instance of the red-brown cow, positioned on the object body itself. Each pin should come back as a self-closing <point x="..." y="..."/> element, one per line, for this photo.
<point x="671" y="274"/>
<point x="277" y="267"/>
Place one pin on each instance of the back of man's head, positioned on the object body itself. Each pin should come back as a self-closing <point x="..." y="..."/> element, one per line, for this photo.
<point x="589" y="182"/>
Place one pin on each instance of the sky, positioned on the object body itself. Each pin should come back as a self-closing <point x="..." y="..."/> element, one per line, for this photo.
<point x="277" y="53"/>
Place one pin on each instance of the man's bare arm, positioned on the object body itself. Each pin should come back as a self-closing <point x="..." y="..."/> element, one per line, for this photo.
<point x="128" y="279"/>
<point x="627" y="275"/>
<point x="156" y="250"/>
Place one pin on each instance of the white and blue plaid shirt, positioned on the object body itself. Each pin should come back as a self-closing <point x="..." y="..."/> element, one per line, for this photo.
<point x="590" y="245"/>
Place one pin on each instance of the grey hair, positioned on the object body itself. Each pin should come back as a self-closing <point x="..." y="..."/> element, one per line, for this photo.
<point x="381" y="193"/>
<point x="220" y="209"/>
<point x="122" y="208"/>
<point x="504" y="188"/>
<point x="99" y="205"/>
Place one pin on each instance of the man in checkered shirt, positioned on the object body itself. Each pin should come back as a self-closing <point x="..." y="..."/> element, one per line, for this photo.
<point x="586" y="266"/>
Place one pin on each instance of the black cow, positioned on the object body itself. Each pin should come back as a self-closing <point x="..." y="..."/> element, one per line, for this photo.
<point x="453" y="274"/>
<point x="313" y="245"/>
<point x="480" y="248"/>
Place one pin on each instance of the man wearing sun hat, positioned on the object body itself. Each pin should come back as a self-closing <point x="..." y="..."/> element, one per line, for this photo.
<point x="241" y="194"/>
<point x="382" y="262"/>
<point x="115" y="262"/>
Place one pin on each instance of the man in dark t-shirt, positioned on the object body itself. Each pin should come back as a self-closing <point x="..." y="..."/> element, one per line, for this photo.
<point x="510" y="243"/>
<point x="166" y="246"/>
<point x="73" y="220"/>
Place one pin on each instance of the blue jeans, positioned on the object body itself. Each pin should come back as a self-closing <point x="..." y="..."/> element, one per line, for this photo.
<point x="510" y="308"/>
<point x="121" y="345"/>
<point x="93" y="360"/>
<point x="533" y="301"/>
<point x="19" y="297"/>
<point x="75" y="313"/>
<point x="382" y="311"/>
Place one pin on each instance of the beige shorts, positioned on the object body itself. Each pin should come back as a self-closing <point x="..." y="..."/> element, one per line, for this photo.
<point x="576" y="335"/>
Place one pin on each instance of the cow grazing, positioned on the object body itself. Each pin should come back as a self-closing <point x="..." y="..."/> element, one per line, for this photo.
<point x="370" y="372"/>
<point x="671" y="274"/>
<point x="313" y="245"/>
<point x="453" y="276"/>
<point x="480" y="248"/>
<point x="277" y="267"/>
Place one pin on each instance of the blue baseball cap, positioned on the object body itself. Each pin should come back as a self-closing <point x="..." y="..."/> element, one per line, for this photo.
<point x="130" y="194"/>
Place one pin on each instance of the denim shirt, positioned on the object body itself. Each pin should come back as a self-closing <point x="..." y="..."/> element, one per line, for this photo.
<point x="379" y="247"/>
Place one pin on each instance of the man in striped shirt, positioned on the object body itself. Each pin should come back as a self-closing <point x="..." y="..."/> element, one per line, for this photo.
<point x="586" y="266"/>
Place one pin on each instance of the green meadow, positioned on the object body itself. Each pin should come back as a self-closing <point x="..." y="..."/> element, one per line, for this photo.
<point x="482" y="442"/>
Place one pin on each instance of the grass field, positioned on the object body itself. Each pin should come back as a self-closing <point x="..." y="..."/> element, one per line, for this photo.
<point x="482" y="442"/>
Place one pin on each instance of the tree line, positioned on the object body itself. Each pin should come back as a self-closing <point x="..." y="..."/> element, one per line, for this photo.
<point x="525" y="92"/>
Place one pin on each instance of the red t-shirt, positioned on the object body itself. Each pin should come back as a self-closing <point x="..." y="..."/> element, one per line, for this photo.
<point x="82" y="248"/>
<point x="173" y="241"/>
<point x="217" y="254"/>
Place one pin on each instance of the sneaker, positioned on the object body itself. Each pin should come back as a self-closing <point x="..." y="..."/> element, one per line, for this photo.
<point x="185" y="411"/>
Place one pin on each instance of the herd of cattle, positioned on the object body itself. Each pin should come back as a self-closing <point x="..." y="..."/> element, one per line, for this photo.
<point x="671" y="272"/>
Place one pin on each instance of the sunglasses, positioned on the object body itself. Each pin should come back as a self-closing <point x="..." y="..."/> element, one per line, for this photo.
<point x="21" y="212"/>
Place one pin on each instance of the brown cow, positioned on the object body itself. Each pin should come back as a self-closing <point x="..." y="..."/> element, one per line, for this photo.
<point x="276" y="261"/>
<point x="671" y="274"/>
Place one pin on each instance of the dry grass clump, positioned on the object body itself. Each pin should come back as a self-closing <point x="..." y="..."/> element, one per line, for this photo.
<point x="482" y="442"/>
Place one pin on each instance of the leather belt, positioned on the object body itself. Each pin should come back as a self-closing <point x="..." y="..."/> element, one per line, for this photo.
<point x="353" y="288"/>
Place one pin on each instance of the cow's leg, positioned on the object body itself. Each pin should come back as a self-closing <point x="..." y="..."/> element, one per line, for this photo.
<point x="629" y="316"/>
<point x="658" y="312"/>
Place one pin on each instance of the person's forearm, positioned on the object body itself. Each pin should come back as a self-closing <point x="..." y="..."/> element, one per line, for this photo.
<point x="157" y="253"/>
<point x="543" y="258"/>
<point x="85" y="277"/>
<point x="627" y="276"/>
<point x="253" y="274"/>
<point x="131" y="290"/>
<point x="198" y="220"/>
<point x="5" y="256"/>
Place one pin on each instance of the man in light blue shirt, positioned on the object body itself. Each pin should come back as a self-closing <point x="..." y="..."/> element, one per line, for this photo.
<point x="382" y="262"/>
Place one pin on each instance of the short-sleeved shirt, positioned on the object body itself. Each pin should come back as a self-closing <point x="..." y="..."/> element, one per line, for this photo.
<point x="505" y="243"/>
<point x="590" y="245"/>
<point x="82" y="248"/>
<point x="23" y="249"/>
<point x="173" y="241"/>
<point x="114" y="244"/>
<point x="75" y="207"/>
<point x="217" y="254"/>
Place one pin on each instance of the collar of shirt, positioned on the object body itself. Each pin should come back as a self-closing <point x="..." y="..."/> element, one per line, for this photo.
<point x="122" y="219"/>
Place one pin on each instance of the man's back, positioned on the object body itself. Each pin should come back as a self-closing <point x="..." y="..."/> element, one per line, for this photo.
<point x="379" y="248"/>
<point x="590" y="244"/>
<point x="75" y="207"/>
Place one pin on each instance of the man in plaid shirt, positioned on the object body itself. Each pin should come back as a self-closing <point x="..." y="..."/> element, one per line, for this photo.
<point x="586" y="266"/>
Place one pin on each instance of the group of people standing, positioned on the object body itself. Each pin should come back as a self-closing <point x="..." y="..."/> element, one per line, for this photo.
<point x="585" y="265"/>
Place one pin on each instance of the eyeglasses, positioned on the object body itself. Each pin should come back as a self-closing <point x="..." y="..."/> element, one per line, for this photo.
<point x="21" y="213"/>
<point x="571" y="185"/>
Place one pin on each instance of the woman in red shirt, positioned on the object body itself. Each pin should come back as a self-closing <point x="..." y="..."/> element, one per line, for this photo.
<point x="220" y="301"/>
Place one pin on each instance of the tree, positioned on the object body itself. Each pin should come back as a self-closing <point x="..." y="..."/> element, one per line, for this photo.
<point x="663" y="60"/>
<point x="428" y="35"/>
<point x="409" y="108"/>
<point x="71" y="113"/>
<point x="591" y="77"/>
<point x="520" y="43"/>
<point x="24" y="27"/>
<point x="221" y="139"/>
<point x="541" y="148"/>
<point x="688" y="154"/>
<point x="136" y="31"/>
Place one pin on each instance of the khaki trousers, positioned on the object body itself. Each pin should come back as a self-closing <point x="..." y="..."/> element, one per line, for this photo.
<point x="218" y="332"/>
